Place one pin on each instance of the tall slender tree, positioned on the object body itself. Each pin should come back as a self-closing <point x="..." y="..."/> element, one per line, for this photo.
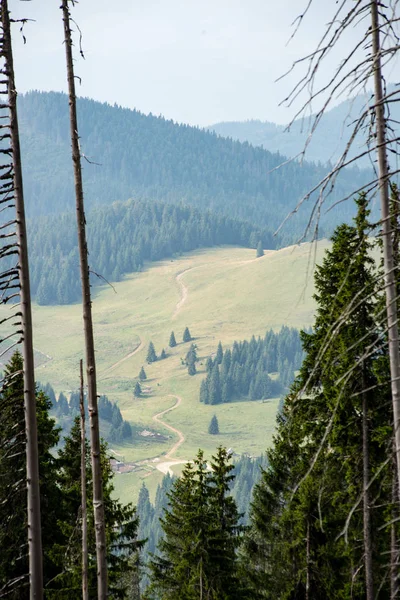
<point x="85" y="556"/>
<point x="87" y="318"/>
<point x="32" y="458"/>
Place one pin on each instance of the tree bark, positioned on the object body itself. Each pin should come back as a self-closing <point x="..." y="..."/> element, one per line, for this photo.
<point x="369" y="579"/>
<point x="98" y="504"/>
<point x="32" y="455"/>
<point x="394" y="555"/>
<point x="85" y="560"/>
<point x="388" y="260"/>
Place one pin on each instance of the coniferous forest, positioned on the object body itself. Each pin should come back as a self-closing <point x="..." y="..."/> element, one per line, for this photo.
<point x="315" y="515"/>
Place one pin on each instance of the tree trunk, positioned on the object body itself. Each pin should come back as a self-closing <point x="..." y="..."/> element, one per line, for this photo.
<point x="85" y="561"/>
<point x="369" y="579"/>
<point x="308" y="561"/>
<point x="32" y="455"/>
<point x="87" y="322"/>
<point x="394" y="556"/>
<point x="388" y="261"/>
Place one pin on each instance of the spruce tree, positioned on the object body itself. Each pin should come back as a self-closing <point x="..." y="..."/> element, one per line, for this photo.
<point x="291" y="547"/>
<point x="151" y="353"/>
<point x="204" y="392"/>
<point x="214" y="387"/>
<point x="163" y="354"/>
<point x="260" y="250"/>
<point x="213" y="427"/>
<point x="121" y="526"/>
<point x="201" y="534"/>
<point x="220" y="354"/>
<point x="172" y="340"/>
<point x="186" y="335"/>
<point x="14" y="566"/>
<point x="142" y="374"/>
<point x="138" y="390"/>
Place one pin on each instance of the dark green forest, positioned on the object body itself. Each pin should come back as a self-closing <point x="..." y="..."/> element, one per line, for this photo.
<point x="122" y="237"/>
<point x="150" y="158"/>
<point x="244" y="371"/>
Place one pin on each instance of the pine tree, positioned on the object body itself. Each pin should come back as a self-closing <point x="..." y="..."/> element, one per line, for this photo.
<point x="260" y="250"/>
<point x="138" y="390"/>
<point x="172" y="340"/>
<point x="151" y="353"/>
<point x="142" y="374"/>
<point x="186" y="335"/>
<point x="163" y="354"/>
<point x="220" y="354"/>
<point x="191" y="358"/>
<point x="204" y="392"/>
<point x="213" y="427"/>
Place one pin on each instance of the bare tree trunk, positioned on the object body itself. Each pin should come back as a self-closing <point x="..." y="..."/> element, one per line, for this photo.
<point x="308" y="561"/>
<point x="369" y="579"/>
<point x="394" y="556"/>
<point x="388" y="261"/>
<point x="32" y="456"/>
<point x="87" y="322"/>
<point x="85" y="561"/>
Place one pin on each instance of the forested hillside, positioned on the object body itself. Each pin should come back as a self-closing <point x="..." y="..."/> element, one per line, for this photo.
<point x="152" y="158"/>
<point x="328" y="141"/>
<point x="121" y="237"/>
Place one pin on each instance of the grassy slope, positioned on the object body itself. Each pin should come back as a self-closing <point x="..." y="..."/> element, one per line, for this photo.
<point x="230" y="297"/>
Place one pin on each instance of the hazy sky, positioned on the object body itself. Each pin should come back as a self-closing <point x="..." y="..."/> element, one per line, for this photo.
<point x="195" y="61"/>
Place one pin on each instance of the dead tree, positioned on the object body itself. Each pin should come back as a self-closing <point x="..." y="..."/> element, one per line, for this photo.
<point x="85" y="559"/>
<point x="363" y="66"/>
<point x="87" y="319"/>
<point x="11" y="191"/>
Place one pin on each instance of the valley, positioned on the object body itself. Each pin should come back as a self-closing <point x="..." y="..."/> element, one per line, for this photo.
<point x="220" y="294"/>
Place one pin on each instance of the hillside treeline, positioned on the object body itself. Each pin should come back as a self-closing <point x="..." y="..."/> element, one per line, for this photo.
<point x="244" y="371"/>
<point x="149" y="157"/>
<point x="121" y="237"/>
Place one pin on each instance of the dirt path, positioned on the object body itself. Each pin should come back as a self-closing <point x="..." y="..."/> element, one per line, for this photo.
<point x="115" y="365"/>
<point x="157" y="419"/>
<point x="183" y="290"/>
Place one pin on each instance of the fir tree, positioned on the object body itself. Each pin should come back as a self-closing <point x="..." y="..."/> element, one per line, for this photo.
<point x="186" y="335"/>
<point x="163" y="354"/>
<point x="151" y="353"/>
<point x="172" y="340"/>
<point x="260" y="250"/>
<point x="213" y="427"/>
<point x="138" y="390"/>
<point x="204" y="392"/>
<point x="214" y="387"/>
<point x="220" y="354"/>
<point x="142" y="374"/>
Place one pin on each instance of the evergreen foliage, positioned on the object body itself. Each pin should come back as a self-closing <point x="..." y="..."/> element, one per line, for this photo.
<point x="121" y="526"/>
<point x="323" y="452"/>
<point x="138" y="390"/>
<point x="191" y="359"/>
<point x="151" y="353"/>
<point x="60" y="504"/>
<point x="243" y="372"/>
<point x="260" y="250"/>
<point x="153" y="158"/>
<point x="202" y="533"/>
<point x="142" y="374"/>
<point x="163" y="354"/>
<point x="213" y="427"/>
<point x="172" y="340"/>
<point x="186" y="335"/>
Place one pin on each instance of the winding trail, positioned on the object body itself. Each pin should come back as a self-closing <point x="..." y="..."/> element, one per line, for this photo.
<point x="183" y="290"/>
<point x="115" y="365"/>
<point x="157" y="419"/>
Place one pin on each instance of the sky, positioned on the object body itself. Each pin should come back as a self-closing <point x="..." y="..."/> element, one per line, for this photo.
<point x="194" y="61"/>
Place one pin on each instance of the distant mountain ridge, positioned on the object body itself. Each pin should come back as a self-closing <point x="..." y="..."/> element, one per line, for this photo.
<point x="328" y="141"/>
<point x="150" y="158"/>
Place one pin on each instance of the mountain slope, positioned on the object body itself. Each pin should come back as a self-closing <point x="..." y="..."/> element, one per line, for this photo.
<point x="328" y="141"/>
<point x="151" y="158"/>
